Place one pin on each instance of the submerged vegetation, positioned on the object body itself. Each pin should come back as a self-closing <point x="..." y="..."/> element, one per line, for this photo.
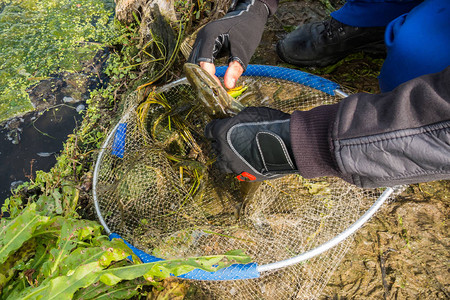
<point x="39" y="39"/>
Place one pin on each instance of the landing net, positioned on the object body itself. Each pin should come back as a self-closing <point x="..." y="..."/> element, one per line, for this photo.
<point x="155" y="186"/>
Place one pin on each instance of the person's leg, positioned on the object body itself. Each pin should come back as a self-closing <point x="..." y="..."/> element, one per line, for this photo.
<point x="418" y="43"/>
<point x="348" y="31"/>
<point x="372" y="13"/>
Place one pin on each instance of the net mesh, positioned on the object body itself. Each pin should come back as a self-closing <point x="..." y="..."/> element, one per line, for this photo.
<point x="156" y="187"/>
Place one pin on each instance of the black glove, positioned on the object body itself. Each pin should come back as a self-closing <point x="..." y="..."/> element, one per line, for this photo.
<point x="255" y="144"/>
<point x="237" y="34"/>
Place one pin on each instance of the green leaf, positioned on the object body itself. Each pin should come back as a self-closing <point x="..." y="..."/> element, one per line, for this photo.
<point x="239" y="256"/>
<point x="42" y="253"/>
<point x="101" y="291"/>
<point x="110" y="279"/>
<point x="19" y="230"/>
<point x="15" y="262"/>
<point x="73" y="231"/>
<point x="116" y="251"/>
<point x="83" y="275"/>
<point x="63" y="287"/>
<point x="175" y="267"/>
<point x="58" y="205"/>
<point x="165" y="270"/>
<point x="130" y="272"/>
<point x="87" y="229"/>
<point x="80" y="256"/>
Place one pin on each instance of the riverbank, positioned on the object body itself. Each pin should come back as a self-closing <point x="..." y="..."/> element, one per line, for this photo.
<point x="401" y="253"/>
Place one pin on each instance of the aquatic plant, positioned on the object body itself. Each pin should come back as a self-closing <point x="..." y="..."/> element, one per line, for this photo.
<point x="42" y="38"/>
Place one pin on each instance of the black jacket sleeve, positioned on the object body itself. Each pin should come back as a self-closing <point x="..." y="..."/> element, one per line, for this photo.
<point x="400" y="137"/>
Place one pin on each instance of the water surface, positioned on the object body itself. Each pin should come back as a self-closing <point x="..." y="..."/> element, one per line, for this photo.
<point x="40" y="40"/>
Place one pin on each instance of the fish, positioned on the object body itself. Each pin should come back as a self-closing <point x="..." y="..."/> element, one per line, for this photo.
<point x="219" y="103"/>
<point x="215" y="99"/>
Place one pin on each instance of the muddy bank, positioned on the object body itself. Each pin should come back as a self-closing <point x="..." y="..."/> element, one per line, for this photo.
<point x="402" y="253"/>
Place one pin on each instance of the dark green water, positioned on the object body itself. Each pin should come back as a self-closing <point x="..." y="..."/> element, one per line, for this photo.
<point x="39" y="38"/>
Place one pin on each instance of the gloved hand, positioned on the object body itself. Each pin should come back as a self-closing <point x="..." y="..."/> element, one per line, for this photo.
<point x="255" y="144"/>
<point x="237" y="34"/>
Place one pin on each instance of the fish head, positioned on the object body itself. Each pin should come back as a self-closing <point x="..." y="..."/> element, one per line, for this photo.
<point x="216" y="100"/>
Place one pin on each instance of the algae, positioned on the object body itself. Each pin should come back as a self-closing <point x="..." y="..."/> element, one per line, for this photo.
<point x="39" y="39"/>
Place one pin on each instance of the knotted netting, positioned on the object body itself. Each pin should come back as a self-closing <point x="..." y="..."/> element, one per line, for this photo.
<point x="156" y="187"/>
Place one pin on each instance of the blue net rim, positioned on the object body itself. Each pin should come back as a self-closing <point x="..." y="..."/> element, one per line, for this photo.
<point x="233" y="272"/>
<point x="297" y="76"/>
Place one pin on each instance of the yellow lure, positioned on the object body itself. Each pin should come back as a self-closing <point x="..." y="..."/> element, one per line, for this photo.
<point x="237" y="91"/>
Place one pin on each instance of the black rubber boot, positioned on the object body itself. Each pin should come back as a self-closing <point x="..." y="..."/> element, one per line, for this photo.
<point x="323" y="43"/>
